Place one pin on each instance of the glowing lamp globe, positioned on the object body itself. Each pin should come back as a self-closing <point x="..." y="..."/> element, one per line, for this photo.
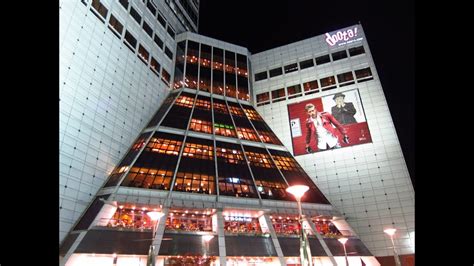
<point x="390" y="231"/>
<point x="343" y="240"/>
<point x="155" y="216"/>
<point x="297" y="190"/>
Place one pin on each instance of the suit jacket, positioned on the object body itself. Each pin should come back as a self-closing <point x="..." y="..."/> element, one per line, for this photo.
<point x="344" y="115"/>
<point x="328" y="120"/>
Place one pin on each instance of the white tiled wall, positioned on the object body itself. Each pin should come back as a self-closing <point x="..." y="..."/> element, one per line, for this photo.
<point x="351" y="177"/>
<point x="107" y="96"/>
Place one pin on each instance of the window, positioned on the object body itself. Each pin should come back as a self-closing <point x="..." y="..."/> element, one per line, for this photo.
<point x="363" y="74"/>
<point x="294" y="90"/>
<point x="345" y="78"/>
<point x="161" y="20"/>
<point x="262" y="97"/>
<point x="115" y="25"/>
<point x="151" y="7"/>
<point x="135" y="15"/>
<point x="143" y="54"/>
<point x="356" y="50"/>
<point x="275" y="72"/>
<point x="339" y="55"/>
<point x="98" y="7"/>
<point x="130" y="41"/>
<point x="306" y="63"/>
<point x="154" y="65"/>
<point x="124" y="3"/>
<point x="276" y="94"/>
<point x="168" y="53"/>
<point x="328" y="83"/>
<point x="261" y="75"/>
<point x="310" y="87"/>
<point x="148" y="29"/>
<point x="165" y="76"/>
<point x="291" y="68"/>
<point x="158" y="41"/>
<point x="322" y="59"/>
<point x="170" y="31"/>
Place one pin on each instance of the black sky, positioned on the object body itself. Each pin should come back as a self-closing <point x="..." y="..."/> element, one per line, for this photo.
<point x="389" y="27"/>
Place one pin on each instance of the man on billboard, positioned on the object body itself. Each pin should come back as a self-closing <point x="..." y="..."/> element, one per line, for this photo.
<point x="320" y="125"/>
<point x="343" y="111"/>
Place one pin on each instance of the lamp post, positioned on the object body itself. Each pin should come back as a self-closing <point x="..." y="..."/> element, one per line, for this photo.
<point x="206" y="239"/>
<point x="343" y="240"/>
<point x="305" y="252"/>
<point x="391" y="232"/>
<point x="154" y="216"/>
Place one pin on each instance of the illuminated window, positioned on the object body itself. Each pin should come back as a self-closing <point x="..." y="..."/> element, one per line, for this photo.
<point x="310" y="87"/>
<point x="247" y="134"/>
<point x="252" y="114"/>
<point x="363" y="74"/>
<point x="345" y="78"/>
<point x="201" y="126"/>
<point x="328" y="83"/>
<point x="221" y="108"/>
<point x="155" y="66"/>
<point x="185" y="101"/>
<point x="198" y="151"/>
<point x="165" y="146"/>
<point x="236" y="110"/>
<point x="294" y="91"/>
<point x="224" y="130"/>
<point x="143" y="54"/>
<point x="263" y="97"/>
<point x="232" y="156"/>
<point x="142" y="177"/>
<point x="203" y="104"/>
<point x="99" y="10"/>
<point x="278" y="95"/>
<point x="165" y="76"/>
<point x="116" y="26"/>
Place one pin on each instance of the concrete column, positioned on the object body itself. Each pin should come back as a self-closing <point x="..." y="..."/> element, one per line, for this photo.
<point x="267" y="227"/>
<point x="321" y="240"/>
<point x="221" y="237"/>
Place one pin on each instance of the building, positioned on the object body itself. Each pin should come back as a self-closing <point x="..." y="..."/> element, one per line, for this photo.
<point x="118" y="59"/>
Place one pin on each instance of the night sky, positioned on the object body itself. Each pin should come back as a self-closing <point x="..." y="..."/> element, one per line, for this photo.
<point x="389" y="27"/>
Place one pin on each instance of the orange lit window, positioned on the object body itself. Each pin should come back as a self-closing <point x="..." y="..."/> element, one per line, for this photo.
<point x="230" y="155"/>
<point x="247" y="133"/>
<point x="259" y="159"/>
<point x="167" y="146"/>
<point x="252" y="115"/>
<point x="201" y="126"/>
<point x="236" y="110"/>
<point x="185" y="101"/>
<point x="195" y="182"/>
<point x="221" y="108"/>
<point x="198" y="151"/>
<point x="203" y="104"/>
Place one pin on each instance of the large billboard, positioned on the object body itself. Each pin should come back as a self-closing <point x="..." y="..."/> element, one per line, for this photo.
<point x="329" y="122"/>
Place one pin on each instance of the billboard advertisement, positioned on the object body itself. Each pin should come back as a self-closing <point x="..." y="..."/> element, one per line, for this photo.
<point x="329" y="122"/>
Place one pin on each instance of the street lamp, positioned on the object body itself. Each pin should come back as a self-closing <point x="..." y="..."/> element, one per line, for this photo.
<point x="343" y="240"/>
<point x="391" y="232"/>
<point x="206" y="239"/>
<point x="154" y="216"/>
<point x="305" y="252"/>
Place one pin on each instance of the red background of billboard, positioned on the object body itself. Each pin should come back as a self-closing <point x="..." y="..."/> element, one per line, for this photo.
<point x="354" y="131"/>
